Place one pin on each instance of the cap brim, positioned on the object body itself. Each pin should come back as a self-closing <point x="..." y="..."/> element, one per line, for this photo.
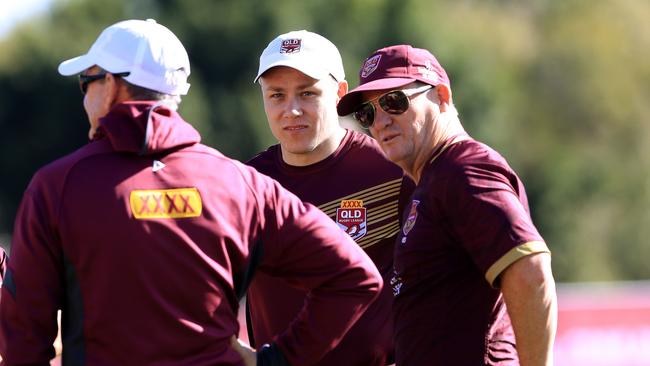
<point x="352" y="99"/>
<point x="75" y="65"/>
<point x="313" y="72"/>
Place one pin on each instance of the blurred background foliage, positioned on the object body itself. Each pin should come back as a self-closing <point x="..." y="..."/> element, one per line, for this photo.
<point x="560" y="88"/>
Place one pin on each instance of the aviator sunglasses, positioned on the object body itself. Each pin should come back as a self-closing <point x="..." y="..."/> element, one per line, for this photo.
<point x="393" y="102"/>
<point x="84" y="80"/>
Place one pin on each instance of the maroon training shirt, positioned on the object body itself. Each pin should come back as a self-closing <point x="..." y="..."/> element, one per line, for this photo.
<point x="363" y="193"/>
<point x="467" y="215"/>
<point x="143" y="238"/>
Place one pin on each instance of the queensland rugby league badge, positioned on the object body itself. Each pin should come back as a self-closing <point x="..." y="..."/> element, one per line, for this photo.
<point x="410" y="220"/>
<point x="351" y="218"/>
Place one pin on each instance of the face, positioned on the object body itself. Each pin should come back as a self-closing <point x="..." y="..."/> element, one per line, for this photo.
<point x="301" y="113"/>
<point x="406" y="138"/>
<point x="97" y="100"/>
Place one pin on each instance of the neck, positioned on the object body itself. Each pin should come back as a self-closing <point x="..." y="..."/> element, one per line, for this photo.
<point x="446" y="133"/>
<point x="319" y="153"/>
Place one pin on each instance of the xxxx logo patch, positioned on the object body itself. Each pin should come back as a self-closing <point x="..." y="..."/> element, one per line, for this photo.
<point x="166" y="203"/>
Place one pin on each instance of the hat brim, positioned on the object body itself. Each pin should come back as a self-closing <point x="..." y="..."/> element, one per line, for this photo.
<point x="316" y="73"/>
<point x="352" y="99"/>
<point x="75" y="65"/>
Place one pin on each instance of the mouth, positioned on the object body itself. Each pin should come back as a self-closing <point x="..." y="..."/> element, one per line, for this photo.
<point x="389" y="137"/>
<point x="295" y="127"/>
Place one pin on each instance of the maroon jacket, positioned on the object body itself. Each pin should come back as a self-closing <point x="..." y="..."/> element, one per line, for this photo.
<point x="147" y="248"/>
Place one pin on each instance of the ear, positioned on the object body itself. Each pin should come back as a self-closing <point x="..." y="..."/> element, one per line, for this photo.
<point x="343" y="89"/>
<point x="443" y="92"/>
<point x="115" y="91"/>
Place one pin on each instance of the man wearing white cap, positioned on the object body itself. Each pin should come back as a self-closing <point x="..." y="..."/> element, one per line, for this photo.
<point x="146" y="239"/>
<point x="345" y="174"/>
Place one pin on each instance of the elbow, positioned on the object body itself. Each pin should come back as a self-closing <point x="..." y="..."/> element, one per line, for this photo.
<point x="530" y="274"/>
<point x="374" y="283"/>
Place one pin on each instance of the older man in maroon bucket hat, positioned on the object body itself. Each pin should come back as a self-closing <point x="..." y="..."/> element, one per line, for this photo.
<point x="472" y="280"/>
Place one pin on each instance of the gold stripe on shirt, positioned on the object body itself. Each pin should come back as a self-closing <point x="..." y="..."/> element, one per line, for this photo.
<point x="367" y="199"/>
<point x="366" y="194"/>
<point x="392" y="205"/>
<point x="389" y="213"/>
<point x="512" y="256"/>
<point x="387" y="193"/>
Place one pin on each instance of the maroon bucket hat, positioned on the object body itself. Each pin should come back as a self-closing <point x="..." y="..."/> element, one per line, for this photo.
<point x="393" y="67"/>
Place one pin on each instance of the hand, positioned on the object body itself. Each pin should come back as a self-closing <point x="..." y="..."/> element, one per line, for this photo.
<point x="244" y="350"/>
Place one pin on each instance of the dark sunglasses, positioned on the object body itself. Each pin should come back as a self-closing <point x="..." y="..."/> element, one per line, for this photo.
<point x="84" y="80"/>
<point x="393" y="102"/>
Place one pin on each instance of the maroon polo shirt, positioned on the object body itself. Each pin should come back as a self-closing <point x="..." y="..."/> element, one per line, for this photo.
<point x="467" y="221"/>
<point x="363" y="192"/>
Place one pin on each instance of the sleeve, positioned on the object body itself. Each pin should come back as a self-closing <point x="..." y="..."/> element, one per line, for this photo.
<point x="31" y="290"/>
<point x="306" y="248"/>
<point x="489" y="216"/>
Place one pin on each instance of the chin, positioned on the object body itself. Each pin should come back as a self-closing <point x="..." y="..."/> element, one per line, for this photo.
<point x="392" y="157"/>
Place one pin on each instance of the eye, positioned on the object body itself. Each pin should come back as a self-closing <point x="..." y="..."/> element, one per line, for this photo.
<point x="308" y="93"/>
<point x="276" y="96"/>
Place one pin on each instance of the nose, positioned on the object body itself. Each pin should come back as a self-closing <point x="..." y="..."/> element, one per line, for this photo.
<point x="293" y="108"/>
<point x="382" y="119"/>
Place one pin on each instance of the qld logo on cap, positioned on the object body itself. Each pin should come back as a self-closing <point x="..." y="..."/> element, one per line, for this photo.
<point x="370" y="66"/>
<point x="291" y="45"/>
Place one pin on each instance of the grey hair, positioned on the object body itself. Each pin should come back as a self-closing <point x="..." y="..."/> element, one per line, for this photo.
<point x="140" y="93"/>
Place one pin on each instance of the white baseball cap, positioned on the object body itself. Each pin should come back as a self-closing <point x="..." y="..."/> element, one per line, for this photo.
<point x="307" y="52"/>
<point x="150" y="52"/>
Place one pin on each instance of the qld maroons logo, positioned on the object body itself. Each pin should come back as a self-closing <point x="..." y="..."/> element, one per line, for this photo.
<point x="291" y="45"/>
<point x="370" y="65"/>
<point x="410" y="220"/>
<point x="351" y="218"/>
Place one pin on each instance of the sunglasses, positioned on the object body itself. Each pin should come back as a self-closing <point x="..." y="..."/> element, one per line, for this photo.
<point x="393" y="102"/>
<point x="84" y="80"/>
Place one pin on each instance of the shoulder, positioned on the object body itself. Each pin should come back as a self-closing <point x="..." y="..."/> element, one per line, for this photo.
<point x="364" y="151"/>
<point x="264" y="160"/>
<point x="54" y="174"/>
<point x="470" y="152"/>
<point x="468" y="167"/>
<point x="362" y="141"/>
<point x="470" y="159"/>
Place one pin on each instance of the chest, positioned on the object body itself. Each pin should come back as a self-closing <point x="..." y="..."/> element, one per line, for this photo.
<point x="427" y="249"/>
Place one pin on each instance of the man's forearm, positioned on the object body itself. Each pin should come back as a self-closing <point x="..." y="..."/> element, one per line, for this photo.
<point x="529" y="292"/>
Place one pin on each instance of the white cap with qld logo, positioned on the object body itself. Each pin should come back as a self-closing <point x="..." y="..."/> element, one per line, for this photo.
<point x="307" y="52"/>
<point x="152" y="55"/>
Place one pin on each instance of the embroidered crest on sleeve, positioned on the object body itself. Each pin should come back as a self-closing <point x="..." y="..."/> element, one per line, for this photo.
<point x="410" y="220"/>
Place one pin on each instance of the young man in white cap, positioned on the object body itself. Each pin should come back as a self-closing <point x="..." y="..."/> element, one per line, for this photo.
<point x="147" y="239"/>
<point x="473" y="283"/>
<point x="342" y="172"/>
